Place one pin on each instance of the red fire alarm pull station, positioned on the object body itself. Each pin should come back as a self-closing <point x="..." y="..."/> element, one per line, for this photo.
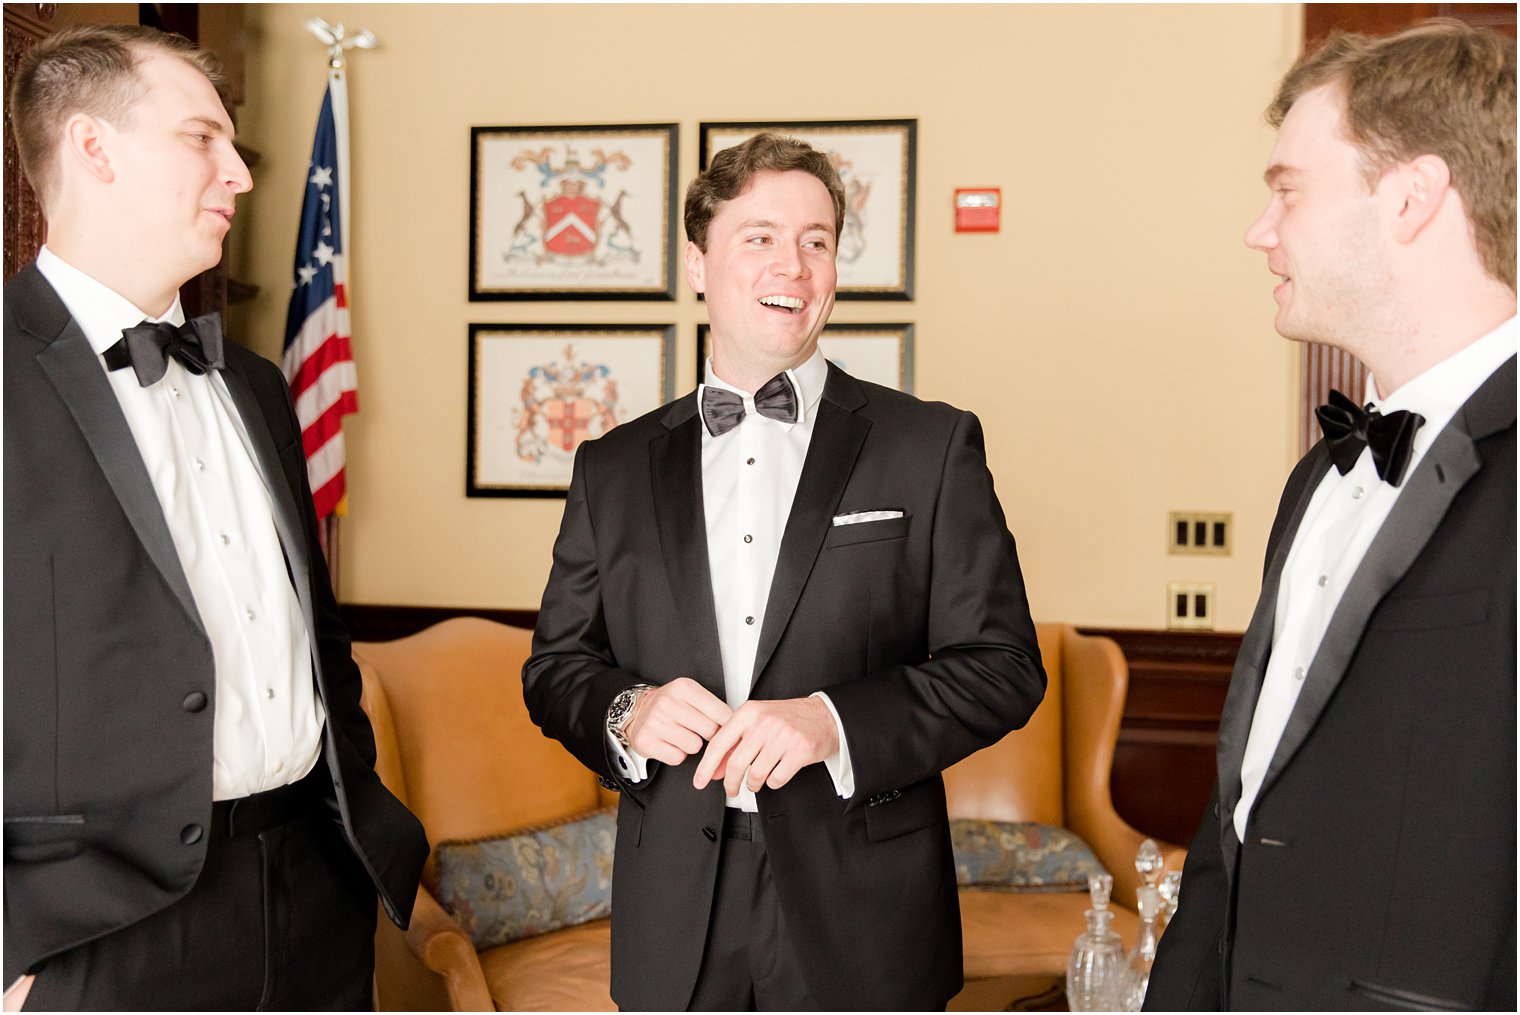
<point x="978" y="209"/>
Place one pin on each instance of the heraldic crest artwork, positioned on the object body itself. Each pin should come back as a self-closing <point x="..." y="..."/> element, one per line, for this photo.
<point x="538" y="391"/>
<point x="876" y="161"/>
<point x="572" y="212"/>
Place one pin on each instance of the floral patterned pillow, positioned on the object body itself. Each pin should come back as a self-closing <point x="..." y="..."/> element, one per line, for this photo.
<point x="506" y="889"/>
<point x="1020" y="856"/>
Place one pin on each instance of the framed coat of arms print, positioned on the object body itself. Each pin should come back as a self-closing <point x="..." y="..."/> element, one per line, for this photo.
<point x="573" y="213"/>
<point x="877" y="161"/>
<point x="538" y="390"/>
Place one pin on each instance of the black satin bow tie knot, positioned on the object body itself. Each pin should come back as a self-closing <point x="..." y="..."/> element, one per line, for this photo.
<point x="723" y="409"/>
<point x="1348" y="428"/>
<point x="147" y="347"/>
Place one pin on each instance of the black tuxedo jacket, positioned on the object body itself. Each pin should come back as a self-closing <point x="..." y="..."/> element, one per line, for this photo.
<point x="1378" y="868"/>
<point x="107" y="759"/>
<point x="917" y="628"/>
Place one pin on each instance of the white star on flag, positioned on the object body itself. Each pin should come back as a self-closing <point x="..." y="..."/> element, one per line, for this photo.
<point x="307" y="273"/>
<point x="321" y="176"/>
<point x="323" y="254"/>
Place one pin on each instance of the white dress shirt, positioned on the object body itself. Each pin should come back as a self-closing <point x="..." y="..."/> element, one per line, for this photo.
<point x="749" y="477"/>
<point x="1342" y="519"/>
<point x="267" y="726"/>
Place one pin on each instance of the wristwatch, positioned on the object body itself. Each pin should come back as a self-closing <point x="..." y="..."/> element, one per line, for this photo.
<point x="620" y="712"/>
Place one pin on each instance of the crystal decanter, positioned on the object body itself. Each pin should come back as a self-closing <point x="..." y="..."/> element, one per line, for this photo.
<point x="1096" y="970"/>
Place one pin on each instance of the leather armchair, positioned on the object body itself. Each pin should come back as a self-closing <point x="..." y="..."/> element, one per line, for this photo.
<point x="456" y="745"/>
<point x="1054" y="771"/>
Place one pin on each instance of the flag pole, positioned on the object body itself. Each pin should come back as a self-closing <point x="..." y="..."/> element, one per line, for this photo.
<point x="338" y="42"/>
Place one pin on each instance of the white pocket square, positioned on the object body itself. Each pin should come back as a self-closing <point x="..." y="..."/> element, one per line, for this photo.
<point x="856" y="517"/>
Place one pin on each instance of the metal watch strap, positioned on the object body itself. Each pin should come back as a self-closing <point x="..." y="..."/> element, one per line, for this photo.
<point x="628" y="698"/>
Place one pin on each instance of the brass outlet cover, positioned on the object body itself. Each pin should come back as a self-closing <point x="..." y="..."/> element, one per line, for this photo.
<point x="1200" y="533"/>
<point x="1190" y="606"/>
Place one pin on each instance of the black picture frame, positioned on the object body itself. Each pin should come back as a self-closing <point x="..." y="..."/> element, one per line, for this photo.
<point x="529" y="241"/>
<point x="522" y="377"/>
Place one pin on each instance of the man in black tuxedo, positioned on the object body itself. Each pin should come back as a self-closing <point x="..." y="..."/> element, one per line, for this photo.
<point x="1359" y="849"/>
<point x="192" y="817"/>
<point x="792" y="593"/>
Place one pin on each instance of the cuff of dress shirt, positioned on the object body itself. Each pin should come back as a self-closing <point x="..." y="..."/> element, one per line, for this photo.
<point x="631" y="765"/>
<point x="838" y="764"/>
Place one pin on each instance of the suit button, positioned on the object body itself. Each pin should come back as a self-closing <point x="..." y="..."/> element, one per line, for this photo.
<point x="194" y="702"/>
<point x="191" y="834"/>
<point x="712" y="836"/>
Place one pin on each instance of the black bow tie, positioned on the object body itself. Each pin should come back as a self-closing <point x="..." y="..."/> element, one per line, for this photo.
<point x="723" y="409"/>
<point x="146" y="348"/>
<point x="1348" y="428"/>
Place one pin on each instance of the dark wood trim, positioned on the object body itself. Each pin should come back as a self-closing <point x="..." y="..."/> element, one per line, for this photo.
<point x="1164" y="768"/>
<point x="368" y="622"/>
<point x="1320" y="19"/>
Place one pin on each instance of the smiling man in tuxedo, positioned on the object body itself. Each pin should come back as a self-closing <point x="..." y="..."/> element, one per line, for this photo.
<point x="1359" y="849"/>
<point x="192" y="817"/>
<point x="780" y="607"/>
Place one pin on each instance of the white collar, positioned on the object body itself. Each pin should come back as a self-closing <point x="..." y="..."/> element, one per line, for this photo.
<point x="101" y="312"/>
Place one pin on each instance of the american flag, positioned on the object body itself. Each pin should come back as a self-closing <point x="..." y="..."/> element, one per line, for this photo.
<point x="318" y="360"/>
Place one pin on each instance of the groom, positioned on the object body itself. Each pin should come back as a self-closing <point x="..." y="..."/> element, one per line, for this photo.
<point x="780" y="607"/>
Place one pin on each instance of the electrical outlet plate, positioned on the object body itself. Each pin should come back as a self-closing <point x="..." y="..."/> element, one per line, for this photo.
<point x="1190" y="606"/>
<point x="1200" y="533"/>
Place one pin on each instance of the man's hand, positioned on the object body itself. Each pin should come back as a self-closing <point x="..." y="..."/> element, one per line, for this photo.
<point x="15" y="997"/>
<point x="673" y="721"/>
<point x="771" y="741"/>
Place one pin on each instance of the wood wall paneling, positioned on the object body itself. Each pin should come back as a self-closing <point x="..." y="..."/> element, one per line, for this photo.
<point x="1164" y="768"/>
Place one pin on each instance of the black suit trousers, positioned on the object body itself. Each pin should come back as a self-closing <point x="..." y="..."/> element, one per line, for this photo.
<point x="281" y="919"/>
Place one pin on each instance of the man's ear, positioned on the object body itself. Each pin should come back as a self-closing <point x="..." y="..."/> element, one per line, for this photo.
<point x="696" y="273"/>
<point x="84" y="145"/>
<point x="1423" y="184"/>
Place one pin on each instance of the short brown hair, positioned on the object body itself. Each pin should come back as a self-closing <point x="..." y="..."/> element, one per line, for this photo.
<point x="88" y="69"/>
<point x="733" y="168"/>
<point x="1441" y="88"/>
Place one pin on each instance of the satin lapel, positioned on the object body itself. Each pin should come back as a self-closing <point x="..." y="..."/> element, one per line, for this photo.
<point x="70" y="365"/>
<point x="287" y="515"/>
<point x="1451" y="461"/>
<point x="1251" y="664"/>
<point x="837" y="437"/>
<point x="675" y="463"/>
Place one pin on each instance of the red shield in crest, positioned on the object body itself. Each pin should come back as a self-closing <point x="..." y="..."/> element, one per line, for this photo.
<point x="569" y="422"/>
<point x="570" y="228"/>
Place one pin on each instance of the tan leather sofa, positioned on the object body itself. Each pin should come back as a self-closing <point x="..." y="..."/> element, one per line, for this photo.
<point x="456" y="744"/>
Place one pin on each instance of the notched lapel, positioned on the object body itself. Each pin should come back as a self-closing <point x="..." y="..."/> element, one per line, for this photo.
<point x="69" y="363"/>
<point x="837" y="438"/>
<point x="1430" y="489"/>
<point x="675" y="462"/>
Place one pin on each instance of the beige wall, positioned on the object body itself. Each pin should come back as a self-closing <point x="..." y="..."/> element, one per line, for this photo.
<point x="1115" y="337"/>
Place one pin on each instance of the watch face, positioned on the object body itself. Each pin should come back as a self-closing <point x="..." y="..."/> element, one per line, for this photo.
<point x="621" y="707"/>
